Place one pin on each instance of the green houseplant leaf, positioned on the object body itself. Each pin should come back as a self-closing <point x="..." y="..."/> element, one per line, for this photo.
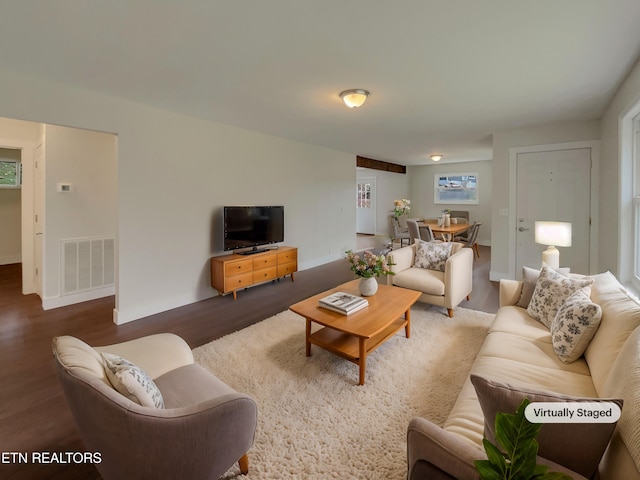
<point x="517" y="459"/>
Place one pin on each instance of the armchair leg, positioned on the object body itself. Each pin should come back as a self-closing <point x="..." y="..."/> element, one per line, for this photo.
<point x="450" y="312"/>
<point x="243" y="463"/>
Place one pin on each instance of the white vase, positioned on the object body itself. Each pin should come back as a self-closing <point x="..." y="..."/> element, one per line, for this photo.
<point x="447" y="220"/>
<point x="368" y="286"/>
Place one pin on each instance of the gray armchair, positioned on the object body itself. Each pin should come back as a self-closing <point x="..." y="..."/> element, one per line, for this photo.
<point x="204" y="428"/>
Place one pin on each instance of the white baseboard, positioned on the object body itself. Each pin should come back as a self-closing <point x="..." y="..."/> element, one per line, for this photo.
<point x="10" y="259"/>
<point x="497" y="276"/>
<point x="65" y="300"/>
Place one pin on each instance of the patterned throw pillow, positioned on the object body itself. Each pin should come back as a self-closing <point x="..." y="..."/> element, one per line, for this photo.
<point x="132" y="382"/>
<point x="574" y="325"/>
<point x="432" y="255"/>
<point x="552" y="289"/>
<point x="529" y="280"/>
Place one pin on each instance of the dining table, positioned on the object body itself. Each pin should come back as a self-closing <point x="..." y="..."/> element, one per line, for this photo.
<point x="446" y="233"/>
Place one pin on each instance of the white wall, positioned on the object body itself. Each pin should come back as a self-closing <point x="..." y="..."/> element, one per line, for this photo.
<point x="616" y="178"/>
<point x="174" y="175"/>
<point x="390" y="186"/>
<point x="422" y="193"/>
<point x="10" y="216"/>
<point x="88" y="161"/>
<point x="502" y="142"/>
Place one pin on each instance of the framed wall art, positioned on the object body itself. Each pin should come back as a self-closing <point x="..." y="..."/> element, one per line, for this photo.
<point x="456" y="188"/>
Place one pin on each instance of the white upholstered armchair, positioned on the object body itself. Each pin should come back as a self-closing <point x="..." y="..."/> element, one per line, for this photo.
<point x="445" y="288"/>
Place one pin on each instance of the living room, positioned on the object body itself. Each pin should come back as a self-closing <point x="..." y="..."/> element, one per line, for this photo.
<point x="173" y="168"/>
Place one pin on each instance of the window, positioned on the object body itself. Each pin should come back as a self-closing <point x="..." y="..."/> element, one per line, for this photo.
<point x="363" y="195"/>
<point x="10" y="174"/>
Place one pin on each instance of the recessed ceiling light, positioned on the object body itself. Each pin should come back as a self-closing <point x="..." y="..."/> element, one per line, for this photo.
<point x="436" y="157"/>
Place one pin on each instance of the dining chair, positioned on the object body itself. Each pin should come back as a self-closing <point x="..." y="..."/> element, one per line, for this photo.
<point x="472" y="239"/>
<point x="460" y="214"/>
<point x="426" y="233"/>
<point x="414" y="231"/>
<point x="399" y="233"/>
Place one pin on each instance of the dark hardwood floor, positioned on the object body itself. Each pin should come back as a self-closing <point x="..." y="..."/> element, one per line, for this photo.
<point x="33" y="413"/>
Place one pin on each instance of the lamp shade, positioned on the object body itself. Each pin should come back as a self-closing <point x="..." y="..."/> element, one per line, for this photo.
<point x="557" y="234"/>
<point x="354" y="98"/>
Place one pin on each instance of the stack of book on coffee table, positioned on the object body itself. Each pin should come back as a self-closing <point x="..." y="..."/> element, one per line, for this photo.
<point x="343" y="303"/>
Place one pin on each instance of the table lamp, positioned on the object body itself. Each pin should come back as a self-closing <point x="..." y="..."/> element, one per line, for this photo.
<point x="553" y="234"/>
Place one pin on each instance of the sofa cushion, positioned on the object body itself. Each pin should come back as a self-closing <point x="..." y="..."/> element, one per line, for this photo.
<point x="75" y="354"/>
<point x="422" y="280"/>
<point x="574" y="325"/>
<point x="190" y="385"/>
<point x="623" y="382"/>
<point x="577" y="446"/>
<point x="552" y="289"/>
<point x="132" y="382"/>
<point x="432" y="255"/>
<point x="529" y="280"/>
<point x="620" y="317"/>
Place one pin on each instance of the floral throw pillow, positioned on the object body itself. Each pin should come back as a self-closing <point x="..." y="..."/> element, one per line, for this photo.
<point x="552" y="289"/>
<point x="432" y="255"/>
<point x="132" y="382"/>
<point x="574" y="325"/>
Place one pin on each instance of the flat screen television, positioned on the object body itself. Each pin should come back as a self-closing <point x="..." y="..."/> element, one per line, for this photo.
<point x="252" y="227"/>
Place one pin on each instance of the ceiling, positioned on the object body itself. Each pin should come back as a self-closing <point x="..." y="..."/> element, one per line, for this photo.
<point x="443" y="74"/>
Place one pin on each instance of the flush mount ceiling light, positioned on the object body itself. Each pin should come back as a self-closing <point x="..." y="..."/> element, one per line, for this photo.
<point x="436" y="157"/>
<point x="354" y="98"/>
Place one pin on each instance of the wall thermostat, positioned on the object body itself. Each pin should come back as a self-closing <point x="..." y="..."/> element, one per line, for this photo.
<point x="64" y="187"/>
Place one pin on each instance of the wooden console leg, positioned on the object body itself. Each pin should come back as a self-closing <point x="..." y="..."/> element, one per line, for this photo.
<point x="243" y="463"/>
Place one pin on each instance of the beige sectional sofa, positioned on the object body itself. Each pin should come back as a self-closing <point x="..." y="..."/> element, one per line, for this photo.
<point x="518" y="351"/>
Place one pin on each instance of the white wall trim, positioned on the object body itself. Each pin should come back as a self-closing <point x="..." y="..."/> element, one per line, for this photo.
<point x="625" y="207"/>
<point x="26" y="200"/>
<point x="594" y="145"/>
<point x="63" y="301"/>
<point x="10" y="259"/>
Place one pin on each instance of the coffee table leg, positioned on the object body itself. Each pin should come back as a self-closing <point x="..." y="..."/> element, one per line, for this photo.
<point x="307" y="342"/>
<point x="362" y="361"/>
<point x="407" y="328"/>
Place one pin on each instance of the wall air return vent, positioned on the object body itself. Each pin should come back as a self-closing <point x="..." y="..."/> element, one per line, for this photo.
<point x="87" y="264"/>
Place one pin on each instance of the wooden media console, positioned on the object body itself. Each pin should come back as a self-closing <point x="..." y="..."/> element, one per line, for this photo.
<point x="229" y="273"/>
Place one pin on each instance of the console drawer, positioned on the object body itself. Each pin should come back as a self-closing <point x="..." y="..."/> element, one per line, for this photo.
<point x="238" y="266"/>
<point x="265" y="274"/>
<point x="264" y="262"/>
<point x="238" y="281"/>
<point x="287" y="269"/>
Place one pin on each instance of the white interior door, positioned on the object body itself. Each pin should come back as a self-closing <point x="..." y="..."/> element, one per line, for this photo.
<point x="366" y="205"/>
<point x="554" y="186"/>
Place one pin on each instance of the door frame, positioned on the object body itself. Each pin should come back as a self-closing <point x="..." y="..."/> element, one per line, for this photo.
<point x="26" y="201"/>
<point x="594" y="146"/>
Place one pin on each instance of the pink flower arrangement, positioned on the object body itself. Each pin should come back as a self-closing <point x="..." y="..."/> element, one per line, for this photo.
<point x="369" y="265"/>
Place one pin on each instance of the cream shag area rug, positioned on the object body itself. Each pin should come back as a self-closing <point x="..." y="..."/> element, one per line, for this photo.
<point x="315" y="422"/>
